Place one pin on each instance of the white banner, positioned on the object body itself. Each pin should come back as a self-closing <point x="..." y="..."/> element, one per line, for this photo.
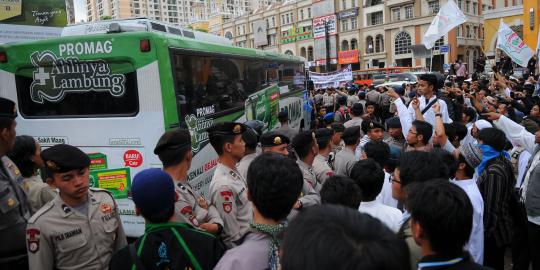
<point x="510" y="43"/>
<point x="449" y="16"/>
<point x="318" y="26"/>
<point x="331" y="79"/>
<point x="259" y="33"/>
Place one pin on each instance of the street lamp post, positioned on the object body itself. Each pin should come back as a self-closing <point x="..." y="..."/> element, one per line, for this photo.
<point x="327" y="43"/>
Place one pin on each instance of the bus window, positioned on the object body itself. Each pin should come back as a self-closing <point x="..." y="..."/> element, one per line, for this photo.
<point x="77" y="89"/>
<point x="214" y="85"/>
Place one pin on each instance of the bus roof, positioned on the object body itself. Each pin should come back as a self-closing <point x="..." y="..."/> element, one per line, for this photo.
<point x="139" y="25"/>
<point x="168" y="39"/>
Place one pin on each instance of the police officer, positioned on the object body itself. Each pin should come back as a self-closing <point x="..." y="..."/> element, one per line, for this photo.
<point x="228" y="188"/>
<point x="275" y="142"/>
<point x="81" y="227"/>
<point x="167" y="243"/>
<point x="14" y="207"/>
<point x="306" y="148"/>
<point x="321" y="168"/>
<point x="174" y="151"/>
<point x="251" y="139"/>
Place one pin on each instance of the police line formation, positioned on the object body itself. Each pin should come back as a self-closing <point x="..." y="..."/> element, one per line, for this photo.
<point x="417" y="176"/>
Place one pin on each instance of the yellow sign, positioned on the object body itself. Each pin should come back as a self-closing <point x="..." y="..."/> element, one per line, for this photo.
<point x="10" y="8"/>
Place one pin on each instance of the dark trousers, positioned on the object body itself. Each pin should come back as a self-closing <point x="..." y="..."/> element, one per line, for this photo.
<point x="534" y="244"/>
<point x="520" y="247"/>
<point x="493" y="254"/>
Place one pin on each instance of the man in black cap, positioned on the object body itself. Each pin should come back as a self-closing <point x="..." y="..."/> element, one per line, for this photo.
<point x="275" y="142"/>
<point x="345" y="158"/>
<point x="174" y="151"/>
<point x="285" y="129"/>
<point x="321" y="168"/>
<point x="374" y="132"/>
<point x="81" y="227"/>
<point x="14" y="203"/>
<point x="396" y="135"/>
<point x="228" y="188"/>
<point x="167" y="243"/>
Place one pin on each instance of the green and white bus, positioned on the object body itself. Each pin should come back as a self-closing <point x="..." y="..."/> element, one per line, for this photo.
<point x="113" y="88"/>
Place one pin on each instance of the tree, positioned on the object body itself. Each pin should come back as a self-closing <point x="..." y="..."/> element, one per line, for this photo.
<point x="103" y="18"/>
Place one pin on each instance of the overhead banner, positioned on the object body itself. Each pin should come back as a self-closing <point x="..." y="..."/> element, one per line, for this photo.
<point x="331" y="79"/>
<point x="260" y="33"/>
<point x="318" y="26"/>
<point x="348" y="57"/>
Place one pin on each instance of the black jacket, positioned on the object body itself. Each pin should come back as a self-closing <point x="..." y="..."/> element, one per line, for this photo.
<point x="162" y="249"/>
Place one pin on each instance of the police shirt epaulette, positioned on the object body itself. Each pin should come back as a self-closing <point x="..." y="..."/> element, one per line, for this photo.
<point x="103" y="190"/>
<point x="48" y="206"/>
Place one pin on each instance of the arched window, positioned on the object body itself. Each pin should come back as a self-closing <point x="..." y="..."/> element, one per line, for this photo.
<point x="354" y="44"/>
<point x="228" y="35"/>
<point x="303" y="52"/>
<point x="402" y="43"/>
<point x="310" y="53"/>
<point x="289" y="52"/>
<point x="467" y="31"/>
<point x="345" y="45"/>
<point x="379" y="43"/>
<point x="369" y="44"/>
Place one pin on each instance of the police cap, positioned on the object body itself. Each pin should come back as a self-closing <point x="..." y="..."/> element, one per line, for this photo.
<point x="64" y="158"/>
<point x="7" y="108"/>
<point x="226" y="129"/>
<point x="368" y="125"/>
<point x="273" y="138"/>
<point x="176" y="139"/>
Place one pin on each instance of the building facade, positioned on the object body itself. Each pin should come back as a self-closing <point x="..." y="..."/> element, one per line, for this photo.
<point x="521" y="16"/>
<point x="363" y="33"/>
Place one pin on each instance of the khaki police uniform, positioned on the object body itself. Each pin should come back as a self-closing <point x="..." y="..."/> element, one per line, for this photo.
<point x="228" y="193"/>
<point x="192" y="208"/>
<point x="60" y="237"/>
<point x="244" y="163"/>
<point x="321" y="169"/>
<point x="344" y="162"/>
<point x="39" y="193"/>
<point x="310" y="194"/>
<point x="14" y="213"/>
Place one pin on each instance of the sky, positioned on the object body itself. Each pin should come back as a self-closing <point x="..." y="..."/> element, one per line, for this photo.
<point x="80" y="10"/>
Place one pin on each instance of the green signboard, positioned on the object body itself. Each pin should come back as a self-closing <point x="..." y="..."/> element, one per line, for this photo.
<point x="117" y="181"/>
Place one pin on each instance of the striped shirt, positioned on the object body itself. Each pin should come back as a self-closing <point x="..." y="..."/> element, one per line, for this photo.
<point x="496" y="185"/>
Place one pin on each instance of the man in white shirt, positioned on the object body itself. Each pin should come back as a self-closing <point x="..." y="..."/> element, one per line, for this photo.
<point x="427" y="88"/>
<point x="469" y="158"/>
<point x="370" y="176"/>
<point x="379" y="151"/>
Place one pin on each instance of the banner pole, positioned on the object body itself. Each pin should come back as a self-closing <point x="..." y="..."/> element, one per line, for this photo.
<point x="431" y="61"/>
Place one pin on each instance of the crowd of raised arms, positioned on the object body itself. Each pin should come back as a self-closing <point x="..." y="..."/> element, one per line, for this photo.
<point x="439" y="174"/>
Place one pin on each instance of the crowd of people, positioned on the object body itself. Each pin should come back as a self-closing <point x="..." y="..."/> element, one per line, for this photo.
<point x="429" y="175"/>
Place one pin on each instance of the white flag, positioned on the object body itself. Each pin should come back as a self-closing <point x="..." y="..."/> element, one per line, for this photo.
<point x="449" y="16"/>
<point x="510" y="43"/>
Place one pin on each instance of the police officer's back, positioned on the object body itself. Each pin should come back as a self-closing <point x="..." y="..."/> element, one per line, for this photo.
<point x="166" y="244"/>
<point x="14" y="207"/>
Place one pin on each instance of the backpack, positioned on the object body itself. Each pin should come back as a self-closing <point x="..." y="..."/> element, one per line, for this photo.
<point x="345" y="115"/>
